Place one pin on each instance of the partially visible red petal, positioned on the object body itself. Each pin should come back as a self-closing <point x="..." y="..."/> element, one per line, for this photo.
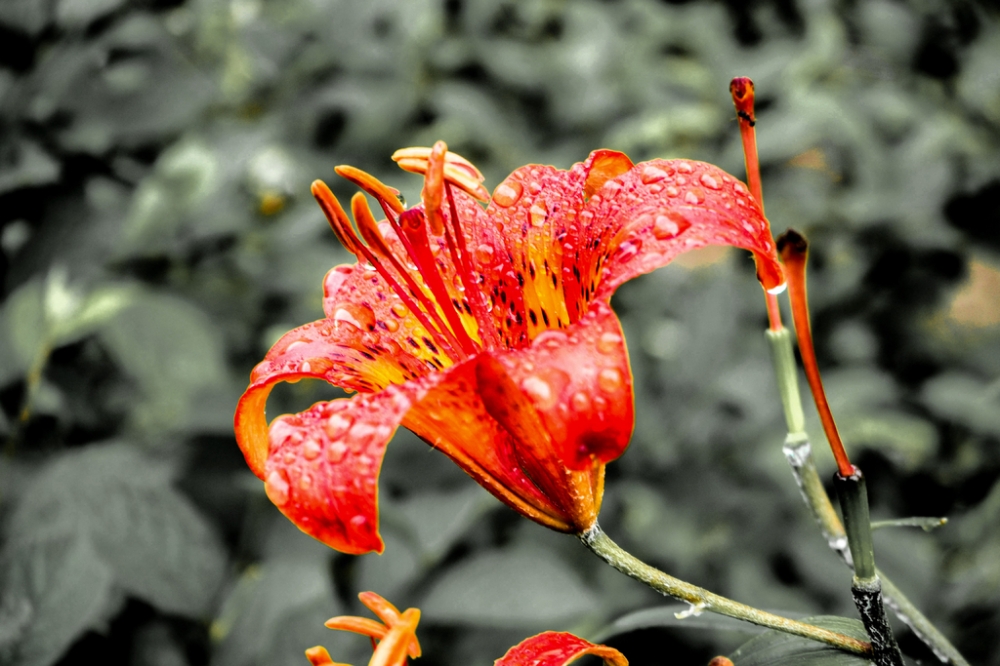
<point x="644" y="218"/>
<point x="323" y="464"/>
<point x="580" y="382"/>
<point x="556" y="648"/>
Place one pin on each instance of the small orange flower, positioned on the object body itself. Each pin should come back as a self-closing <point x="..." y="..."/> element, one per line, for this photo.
<point x="395" y="638"/>
<point x="487" y="332"/>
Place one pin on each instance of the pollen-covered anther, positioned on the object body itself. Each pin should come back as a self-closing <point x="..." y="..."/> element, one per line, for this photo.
<point x="458" y="171"/>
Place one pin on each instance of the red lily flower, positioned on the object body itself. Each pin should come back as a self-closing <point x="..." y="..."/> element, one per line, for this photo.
<point x="486" y="332"/>
<point x="395" y="639"/>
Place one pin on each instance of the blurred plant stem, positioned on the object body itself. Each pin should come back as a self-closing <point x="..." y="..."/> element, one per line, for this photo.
<point x="798" y="452"/>
<point x="702" y="600"/>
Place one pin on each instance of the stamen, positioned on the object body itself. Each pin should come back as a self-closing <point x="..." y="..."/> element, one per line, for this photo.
<point x="476" y="295"/>
<point x="457" y="170"/>
<point x="794" y="251"/>
<point x="741" y="89"/>
<point x="413" y="226"/>
<point x="370" y="232"/>
<point x="387" y="196"/>
<point x="345" y="232"/>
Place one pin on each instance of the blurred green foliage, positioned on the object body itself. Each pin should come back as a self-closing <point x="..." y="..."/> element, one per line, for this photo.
<point x="157" y="237"/>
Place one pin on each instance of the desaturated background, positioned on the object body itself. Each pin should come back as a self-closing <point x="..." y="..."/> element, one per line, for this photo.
<point x="158" y="235"/>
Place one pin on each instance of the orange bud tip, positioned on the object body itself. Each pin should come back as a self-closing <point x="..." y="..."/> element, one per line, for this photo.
<point x="741" y="88"/>
<point x="792" y="245"/>
<point x="721" y="661"/>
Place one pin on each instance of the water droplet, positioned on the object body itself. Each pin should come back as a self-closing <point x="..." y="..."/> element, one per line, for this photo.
<point x="652" y="174"/>
<point x="337" y="425"/>
<point x="610" y="380"/>
<point x="311" y="449"/>
<point x="336" y="452"/>
<point x="539" y="211"/>
<point x="534" y="187"/>
<point x="358" y="520"/>
<point x="655" y="188"/>
<point x="551" y="339"/>
<point x="391" y="325"/>
<point x="600" y="404"/>
<point x="305" y="367"/>
<point x="276" y="487"/>
<point x="628" y="250"/>
<point x="296" y="343"/>
<point x="336" y="277"/>
<point x="290" y="457"/>
<point x="695" y="196"/>
<point x="359" y="316"/>
<point x="484" y="254"/>
<point x="777" y="290"/>
<point x="305" y="483"/>
<point x="580" y="401"/>
<point x="685" y="167"/>
<point x="710" y="181"/>
<point x="608" y="342"/>
<point x="362" y="433"/>
<point x="748" y="227"/>
<point x="669" y="225"/>
<point x="672" y="191"/>
<point x="507" y="193"/>
<point x="540" y="392"/>
<point x="611" y="186"/>
<point x="741" y="188"/>
<point x="681" y="180"/>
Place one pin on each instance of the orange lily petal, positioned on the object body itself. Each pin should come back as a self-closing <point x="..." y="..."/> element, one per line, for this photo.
<point x="555" y="648"/>
<point x="318" y="656"/>
<point x="388" y="613"/>
<point x="392" y="650"/>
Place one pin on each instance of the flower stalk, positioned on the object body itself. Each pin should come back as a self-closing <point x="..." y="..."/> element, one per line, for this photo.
<point x="702" y="600"/>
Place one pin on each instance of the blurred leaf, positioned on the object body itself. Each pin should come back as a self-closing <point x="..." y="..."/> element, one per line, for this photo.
<point x="776" y="648"/>
<point x="23" y="321"/>
<point x="965" y="399"/>
<point x="79" y="13"/>
<point x="62" y="585"/>
<point x="255" y="610"/>
<point x="521" y="587"/>
<point x="150" y="537"/>
<point x="26" y="165"/>
<point x="438" y="519"/>
<point x="173" y="350"/>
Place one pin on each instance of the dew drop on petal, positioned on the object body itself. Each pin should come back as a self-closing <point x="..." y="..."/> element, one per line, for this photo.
<point x="507" y="193"/>
<point x="551" y="339"/>
<point x="777" y="290"/>
<point x="391" y="325"/>
<point x="540" y="392"/>
<point x="710" y="181"/>
<point x="669" y="225"/>
<point x="336" y="277"/>
<point x="600" y="404"/>
<point x="628" y="250"/>
<point x="398" y="309"/>
<point x="608" y="342"/>
<point x="311" y="449"/>
<point x="305" y="367"/>
<point x="337" y="425"/>
<point x="359" y="316"/>
<point x="695" y="196"/>
<point x="484" y="254"/>
<point x="684" y="167"/>
<point x="534" y="187"/>
<point x="305" y="483"/>
<point x="276" y="487"/>
<point x="358" y="520"/>
<point x="580" y="401"/>
<point x="610" y="380"/>
<point x="652" y="174"/>
<point x="672" y="191"/>
<point x="539" y="211"/>
<point x="336" y="452"/>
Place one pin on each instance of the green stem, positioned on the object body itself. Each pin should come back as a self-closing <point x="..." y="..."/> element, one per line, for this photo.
<point x="857" y="523"/>
<point x="798" y="452"/>
<point x="703" y="600"/>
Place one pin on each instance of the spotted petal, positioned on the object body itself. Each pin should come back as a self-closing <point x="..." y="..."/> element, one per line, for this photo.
<point x="556" y="648"/>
